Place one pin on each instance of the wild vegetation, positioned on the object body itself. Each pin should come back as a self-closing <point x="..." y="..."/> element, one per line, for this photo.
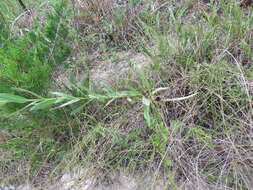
<point x="186" y="115"/>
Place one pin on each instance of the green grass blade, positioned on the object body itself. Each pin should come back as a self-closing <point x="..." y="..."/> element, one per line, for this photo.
<point x="44" y="104"/>
<point x="5" y="97"/>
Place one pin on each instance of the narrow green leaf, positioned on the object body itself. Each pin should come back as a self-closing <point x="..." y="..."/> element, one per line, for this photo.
<point x="44" y="104"/>
<point x="172" y="14"/>
<point x="98" y="96"/>
<point x="68" y="103"/>
<point x="5" y="97"/>
<point x="146" y="101"/>
<point x="27" y="91"/>
<point x="179" y="99"/>
<point x="61" y="94"/>
<point x="79" y="88"/>
<point x="58" y="100"/>
<point x="159" y="90"/>
<point x="22" y="109"/>
<point x="122" y="94"/>
<point x="147" y="115"/>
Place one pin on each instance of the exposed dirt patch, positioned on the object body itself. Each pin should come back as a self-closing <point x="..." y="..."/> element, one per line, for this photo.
<point x="105" y="73"/>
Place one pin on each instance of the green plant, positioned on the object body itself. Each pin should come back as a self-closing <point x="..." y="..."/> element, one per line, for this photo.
<point x="61" y="100"/>
<point x="18" y="70"/>
<point x="157" y="123"/>
<point x="27" y="62"/>
<point x="158" y="132"/>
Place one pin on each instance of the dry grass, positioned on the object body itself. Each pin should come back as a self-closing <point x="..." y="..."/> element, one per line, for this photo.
<point x="203" y="142"/>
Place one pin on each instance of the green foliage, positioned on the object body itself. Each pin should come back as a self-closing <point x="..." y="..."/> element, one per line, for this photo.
<point x="51" y="46"/>
<point x="20" y="67"/>
<point x="26" y="62"/>
<point x="3" y="31"/>
<point x="203" y="135"/>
